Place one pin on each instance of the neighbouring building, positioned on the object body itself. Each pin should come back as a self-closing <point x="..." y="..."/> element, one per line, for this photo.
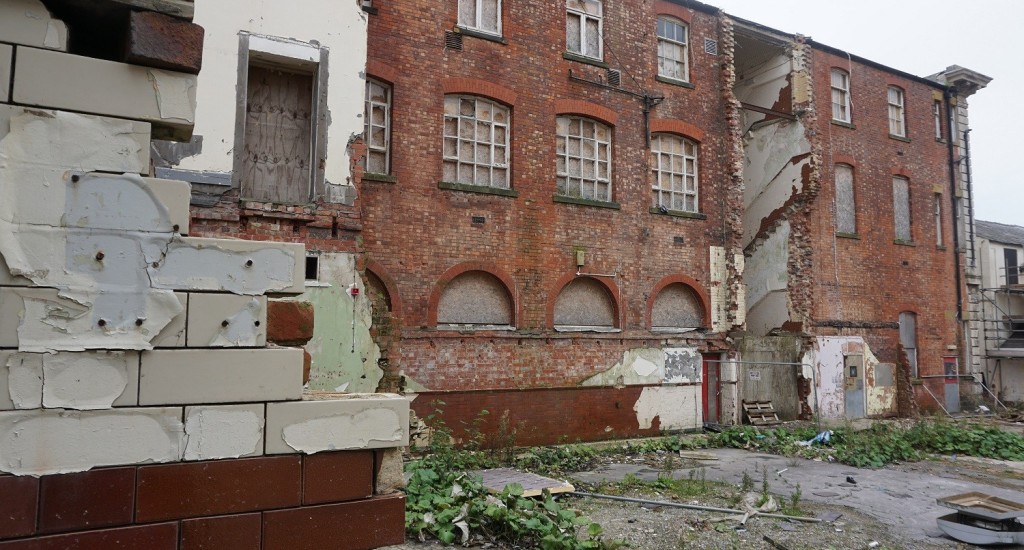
<point x="144" y="401"/>
<point x="999" y="345"/>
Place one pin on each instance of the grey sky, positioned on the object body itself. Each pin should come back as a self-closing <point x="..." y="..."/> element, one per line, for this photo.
<point x="923" y="37"/>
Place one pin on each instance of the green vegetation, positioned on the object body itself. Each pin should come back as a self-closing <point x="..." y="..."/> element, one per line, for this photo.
<point x="882" y="443"/>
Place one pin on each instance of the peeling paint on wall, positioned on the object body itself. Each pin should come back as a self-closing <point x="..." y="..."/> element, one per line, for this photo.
<point x="25" y="380"/>
<point x="638" y="367"/>
<point x="766" y="279"/>
<point x="228" y="431"/>
<point x="338" y="364"/>
<point x="675" y="408"/>
<point x="355" y="431"/>
<point x="89" y="381"/>
<point x="683" y="366"/>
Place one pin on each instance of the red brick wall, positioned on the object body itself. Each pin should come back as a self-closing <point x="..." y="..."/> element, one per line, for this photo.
<point x="871" y="279"/>
<point x="316" y="501"/>
<point x="415" y="232"/>
<point x="541" y="416"/>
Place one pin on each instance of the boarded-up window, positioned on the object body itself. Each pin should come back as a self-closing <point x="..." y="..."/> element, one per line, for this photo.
<point x="901" y="208"/>
<point x="677" y="307"/>
<point x="277" y="156"/>
<point x="908" y="339"/>
<point x="584" y="303"/>
<point x="475" y="298"/>
<point x="846" y="207"/>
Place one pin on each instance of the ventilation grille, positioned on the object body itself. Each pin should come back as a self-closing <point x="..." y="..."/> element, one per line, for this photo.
<point x="614" y="77"/>
<point x="710" y="46"/>
<point x="452" y="40"/>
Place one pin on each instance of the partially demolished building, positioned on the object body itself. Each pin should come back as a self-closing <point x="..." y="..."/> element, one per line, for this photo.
<point x="143" y="402"/>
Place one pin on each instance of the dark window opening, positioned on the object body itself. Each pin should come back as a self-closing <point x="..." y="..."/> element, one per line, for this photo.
<point x="1012" y="267"/>
<point x="312" y="268"/>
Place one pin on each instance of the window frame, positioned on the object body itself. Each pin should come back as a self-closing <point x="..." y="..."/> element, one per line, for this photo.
<point x="565" y="157"/>
<point x="478" y="12"/>
<point x="657" y="187"/>
<point x="844" y="94"/>
<point x="491" y="144"/>
<point x="938" y="220"/>
<point x="897" y="111"/>
<point x="583" y="17"/>
<point x="685" y="45"/>
<point x="937" y="114"/>
<point x="367" y="122"/>
<point x="286" y="55"/>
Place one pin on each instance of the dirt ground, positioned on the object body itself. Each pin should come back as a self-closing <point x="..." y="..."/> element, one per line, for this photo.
<point x="890" y="508"/>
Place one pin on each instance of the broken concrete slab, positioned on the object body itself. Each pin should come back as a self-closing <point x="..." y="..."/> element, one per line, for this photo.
<point x="29" y="23"/>
<point x="188" y="377"/>
<point x="338" y="422"/>
<point x="223" y="431"/>
<point x="33" y="138"/>
<point x="226" y="320"/>
<point x="229" y="265"/>
<point x="56" y="441"/>
<point x="58" y="80"/>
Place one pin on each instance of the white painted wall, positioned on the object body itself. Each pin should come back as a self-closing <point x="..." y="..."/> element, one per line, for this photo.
<point x="337" y="26"/>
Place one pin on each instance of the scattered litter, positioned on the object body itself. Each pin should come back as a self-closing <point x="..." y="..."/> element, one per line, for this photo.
<point x="786" y="526"/>
<point x="983" y="409"/>
<point x="775" y="544"/>
<point x="850" y="480"/>
<point x="533" y="485"/>
<point x="779" y="473"/>
<point x="823" y="437"/>
<point x="873" y="544"/>
<point x="982" y="519"/>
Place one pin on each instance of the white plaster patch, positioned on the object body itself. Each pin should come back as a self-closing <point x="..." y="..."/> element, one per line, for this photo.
<point x="643" y="367"/>
<point x="675" y="407"/>
<point x="221" y="265"/>
<point x="223" y="432"/>
<point x="87" y="381"/>
<point x="639" y="366"/>
<point x="56" y="442"/>
<point x="175" y="96"/>
<point x="25" y="380"/>
<point x="243" y="328"/>
<point x="354" y="431"/>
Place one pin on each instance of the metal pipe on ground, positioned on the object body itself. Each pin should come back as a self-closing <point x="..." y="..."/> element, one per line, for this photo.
<point x="689" y="506"/>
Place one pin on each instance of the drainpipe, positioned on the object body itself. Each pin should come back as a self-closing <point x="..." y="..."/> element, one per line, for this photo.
<point x="947" y="94"/>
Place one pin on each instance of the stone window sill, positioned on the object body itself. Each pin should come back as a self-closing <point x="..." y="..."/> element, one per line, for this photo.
<point x="584" y="59"/>
<point x="481" y="189"/>
<point x="899" y="138"/>
<point x="844" y="235"/>
<point x="586" y="202"/>
<point x="574" y="328"/>
<point x="678" y="213"/>
<point x="674" y="81"/>
<point x="383" y="178"/>
<point x="843" y="124"/>
<point x="476" y="328"/>
<point x="902" y="242"/>
<point x="481" y="35"/>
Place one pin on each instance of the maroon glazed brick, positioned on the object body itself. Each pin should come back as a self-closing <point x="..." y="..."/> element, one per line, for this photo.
<point x="357" y="525"/>
<point x="192" y="490"/>
<point x="337" y="476"/>
<point x="100" y="498"/>
<point x="164" y="42"/>
<point x="18" y="498"/>
<point x="239" y="532"/>
<point x="163" y="536"/>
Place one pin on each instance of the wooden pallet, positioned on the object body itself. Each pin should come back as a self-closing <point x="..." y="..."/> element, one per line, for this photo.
<point x="760" y="413"/>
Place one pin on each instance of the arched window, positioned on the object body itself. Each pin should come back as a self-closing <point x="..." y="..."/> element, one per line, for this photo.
<point x="675" y="308"/>
<point x="475" y="299"/>
<point x="674" y="172"/>
<point x="673" y="50"/>
<point x="585" y="304"/>
<point x="583" y="158"/>
<point x="476" y="141"/>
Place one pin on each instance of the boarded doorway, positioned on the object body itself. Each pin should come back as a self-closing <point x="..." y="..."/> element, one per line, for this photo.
<point x="712" y="390"/>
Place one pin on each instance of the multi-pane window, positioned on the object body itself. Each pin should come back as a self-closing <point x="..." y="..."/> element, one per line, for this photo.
<point x="937" y="113"/>
<point x="901" y="208"/>
<point x="377" y="127"/>
<point x="583" y="154"/>
<point x="840" y="95"/>
<point x="672" y="49"/>
<point x="674" y="172"/>
<point x="938" y="219"/>
<point x="475" y="141"/>
<point x="480" y="15"/>
<point x="583" y="27"/>
<point x="846" y="206"/>
<point x="897" y="120"/>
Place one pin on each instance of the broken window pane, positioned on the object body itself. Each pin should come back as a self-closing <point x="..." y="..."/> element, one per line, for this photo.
<point x="675" y="169"/>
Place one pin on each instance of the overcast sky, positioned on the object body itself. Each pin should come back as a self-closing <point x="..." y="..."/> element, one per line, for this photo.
<point x="923" y="37"/>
